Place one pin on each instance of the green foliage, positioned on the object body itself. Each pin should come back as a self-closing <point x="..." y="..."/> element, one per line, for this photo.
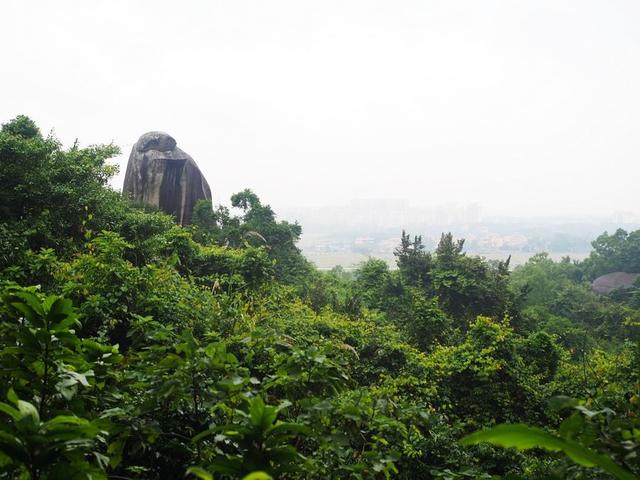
<point x="524" y="437"/>
<point x="433" y="297"/>
<point x="61" y="376"/>
<point x="256" y="441"/>
<point x="542" y="355"/>
<point x="54" y="196"/>
<point x="52" y="449"/>
<point x="21" y="126"/>
<point x="619" y="252"/>
<point x="424" y="320"/>
<point x="468" y="286"/>
<point x="541" y="278"/>
<point x="414" y="263"/>
<point x="557" y="299"/>
<point x="256" y="226"/>
<point x="449" y="250"/>
<point x="486" y="378"/>
<point x="374" y="284"/>
<point x="217" y="351"/>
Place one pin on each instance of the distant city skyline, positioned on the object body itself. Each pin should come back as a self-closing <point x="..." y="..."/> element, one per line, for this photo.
<point x="348" y="234"/>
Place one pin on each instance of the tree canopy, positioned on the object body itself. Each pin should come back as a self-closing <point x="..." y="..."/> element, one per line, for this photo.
<point x="132" y="347"/>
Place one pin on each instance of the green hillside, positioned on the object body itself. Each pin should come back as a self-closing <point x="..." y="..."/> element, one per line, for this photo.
<point x="135" y="348"/>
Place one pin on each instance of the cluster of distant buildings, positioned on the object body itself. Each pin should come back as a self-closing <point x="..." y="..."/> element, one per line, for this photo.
<point x="348" y="234"/>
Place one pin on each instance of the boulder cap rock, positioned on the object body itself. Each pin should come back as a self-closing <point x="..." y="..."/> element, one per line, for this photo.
<point x="162" y="175"/>
<point x="160" y="141"/>
<point x="606" y="284"/>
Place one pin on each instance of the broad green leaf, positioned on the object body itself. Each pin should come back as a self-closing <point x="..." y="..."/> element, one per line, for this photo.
<point x="9" y="410"/>
<point x="81" y="377"/>
<point x="32" y="300"/>
<point x="65" y="323"/>
<point x="208" y="433"/>
<point x="200" y="473"/>
<point x="261" y="415"/>
<point x="12" y="397"/>
<point x="28" y="313"/>
<point x="171" y="361"/>
<point x="288" y="427"/>
<point x="27" y="410"/>
<point x="258" y="476"/>
<point x="229" y="466"/>
<point x="284" y="404"/>
<point x="256" y="410"/>
<point x="102" y="460"/>
<point x="38" y="367"/>
<point x="115" y="450"/>
<point x="524" y="437"/>
<point x="65" y="420"/>
<point x="560" y="402"/>
<point x="60" y="314"/>
<point x="570" y="426"/>
<point x="4" y="459"/>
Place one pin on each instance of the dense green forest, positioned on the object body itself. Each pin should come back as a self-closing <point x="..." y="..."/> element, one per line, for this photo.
<point x="135" y="348"/>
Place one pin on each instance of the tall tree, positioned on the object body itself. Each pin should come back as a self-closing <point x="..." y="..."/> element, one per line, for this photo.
<point x="413" y="262"/>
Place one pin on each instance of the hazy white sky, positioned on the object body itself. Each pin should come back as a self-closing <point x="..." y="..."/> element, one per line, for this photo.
<point x="528" y="107"/>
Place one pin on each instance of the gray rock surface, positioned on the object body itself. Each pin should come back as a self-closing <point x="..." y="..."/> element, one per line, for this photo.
<point x="612" y="281"/>
<point x="160" y="174"/>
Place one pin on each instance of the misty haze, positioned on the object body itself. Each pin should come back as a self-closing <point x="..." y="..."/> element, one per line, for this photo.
<point x="309" y="240"/>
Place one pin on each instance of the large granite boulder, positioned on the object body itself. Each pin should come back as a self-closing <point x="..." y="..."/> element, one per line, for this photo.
<point x="606" y="284"/>
<point x="160" y="174"/>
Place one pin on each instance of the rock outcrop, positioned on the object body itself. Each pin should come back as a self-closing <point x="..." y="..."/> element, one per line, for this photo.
<point x="613" y="281"/>
<point x="160" y="174"/>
